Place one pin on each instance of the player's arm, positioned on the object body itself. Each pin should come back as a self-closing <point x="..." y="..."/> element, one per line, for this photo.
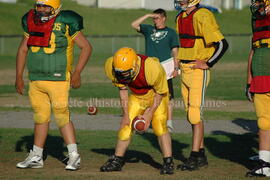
<point x="220" y="49"/>
<point x="156" y="78"/>
<point x="212" y="37"/>
<point x="136" y="23"/>
<point x="20" y="64"/>
<point x="148" y="114"/>
<point x="249" y="76"/>
<point x="175" y="60"/>
<point x="123" y="92"/>
<point x="86" y="50"/>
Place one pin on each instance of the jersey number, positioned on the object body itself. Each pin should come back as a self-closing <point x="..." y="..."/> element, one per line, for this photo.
<point x="48" y="50"/>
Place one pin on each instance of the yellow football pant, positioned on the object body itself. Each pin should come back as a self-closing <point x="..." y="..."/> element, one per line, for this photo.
<point x="262" y="104"/>
<point x="47" y="95"/>
<point x="137" y="105"/>
<point x="193" y="87"/>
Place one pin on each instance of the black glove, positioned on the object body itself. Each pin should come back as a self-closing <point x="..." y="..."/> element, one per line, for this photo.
<point x="249" y="94"/>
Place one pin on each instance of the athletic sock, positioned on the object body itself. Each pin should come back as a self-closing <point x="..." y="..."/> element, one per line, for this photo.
<point x="38" y="151"/>
<point x="264" y="155"/>
<point x="72" y="148"/>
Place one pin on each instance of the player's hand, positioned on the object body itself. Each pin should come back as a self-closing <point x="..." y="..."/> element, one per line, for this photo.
<point x="175" y="73"/>
<point x="75" y="81"/>
<point x="249" y="94"/>
<point x="125" y="121"/>
<point x="147" y="116"/>
<point x="19" y="85"/>
<point x="200" y="65"/>
<point x="153" y="15"/>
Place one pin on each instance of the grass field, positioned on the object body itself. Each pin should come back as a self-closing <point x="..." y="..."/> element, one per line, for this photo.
<point x="227" y="154"/>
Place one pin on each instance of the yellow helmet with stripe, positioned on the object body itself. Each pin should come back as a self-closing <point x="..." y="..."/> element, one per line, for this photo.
<point x="125" y="63"/>
<point x="55" y="8"/>
<point x="184" y="4"/>
<point x="192" y="3"/>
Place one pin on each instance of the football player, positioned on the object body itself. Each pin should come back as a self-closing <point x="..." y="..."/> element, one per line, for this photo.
<point x="47" y="46"/>
<point x="146" y="79"/>
<point x="201" y="47"/>
<point x="258" y="81"/>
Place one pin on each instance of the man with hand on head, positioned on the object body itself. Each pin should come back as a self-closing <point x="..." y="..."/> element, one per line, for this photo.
<point x="161" y="42"/>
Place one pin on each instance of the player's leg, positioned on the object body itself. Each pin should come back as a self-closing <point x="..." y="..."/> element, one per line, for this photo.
<point x="197" y="86"/>
<point x="41" y="106"/>
<point x="59" y="93"/>
<point x="161" y="131"/>
<point x="116" y="162"/>
<point x="170" y="106"/>
<point x="262" y="103"/>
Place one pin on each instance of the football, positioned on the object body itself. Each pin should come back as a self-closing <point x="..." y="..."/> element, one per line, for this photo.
<point x="92" y="110"/>
<point x="138" y="124"/>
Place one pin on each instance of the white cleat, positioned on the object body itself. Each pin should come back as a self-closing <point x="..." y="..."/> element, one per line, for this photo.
<point x="74" y="161"/>
<point x="32" y="161"/>
<point x="170" y="126"/>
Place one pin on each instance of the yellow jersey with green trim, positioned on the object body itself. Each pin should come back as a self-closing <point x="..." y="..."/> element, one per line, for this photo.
<point x="54" y="63"/>
<point x="154" y="74"/>
<point x="205" y="26"/>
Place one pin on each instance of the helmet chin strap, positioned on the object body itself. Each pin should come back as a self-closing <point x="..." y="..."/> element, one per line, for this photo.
<point x="44" y="18"/>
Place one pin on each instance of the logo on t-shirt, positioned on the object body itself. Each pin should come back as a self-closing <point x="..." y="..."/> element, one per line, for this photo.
<point x="156" y="36"/>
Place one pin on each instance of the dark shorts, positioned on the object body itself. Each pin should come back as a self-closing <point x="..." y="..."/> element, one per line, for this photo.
<point x="170" y="86"/>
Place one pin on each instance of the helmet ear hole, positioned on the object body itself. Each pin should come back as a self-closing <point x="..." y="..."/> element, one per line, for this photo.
<point x="125" y="62"/>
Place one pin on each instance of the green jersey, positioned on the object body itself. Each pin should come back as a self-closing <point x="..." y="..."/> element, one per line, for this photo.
<point x="159" y="42"/>
<point x="54" y="63"/>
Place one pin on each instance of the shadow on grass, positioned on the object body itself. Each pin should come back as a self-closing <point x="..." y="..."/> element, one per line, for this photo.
<point x="54" y="147"/>
<point x="235" y="147"/>
<point x="177" y="147"/>
<point x="132" y="156"/>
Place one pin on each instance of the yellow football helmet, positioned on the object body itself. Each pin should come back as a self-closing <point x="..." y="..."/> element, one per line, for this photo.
<point x="125" y="63"/>
<point x="258" y="7"/>
<point x="55" y="9"/>
<point x="184" y="4"/>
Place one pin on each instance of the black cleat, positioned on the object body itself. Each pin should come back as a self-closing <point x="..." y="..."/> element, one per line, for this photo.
<point x="258" y="171"/>
<point x="191" y="164"/>
<point x="202" y="161"/>
<point x="114" y="163"/>
<point x="168" y="166"/>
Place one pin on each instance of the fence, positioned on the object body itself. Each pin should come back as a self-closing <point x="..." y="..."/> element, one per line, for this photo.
<point x="107" y="45"/>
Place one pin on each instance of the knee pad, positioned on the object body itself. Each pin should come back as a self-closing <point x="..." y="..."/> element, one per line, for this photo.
<point x="40" y="118"/>
<point x="160" y="125"/>
<point x="125" y="133"/>
<point x="41" y="115"/>
<point x="62" y="115"/>
<point x="194" y="115"/>
<point x="264" y="123"/>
